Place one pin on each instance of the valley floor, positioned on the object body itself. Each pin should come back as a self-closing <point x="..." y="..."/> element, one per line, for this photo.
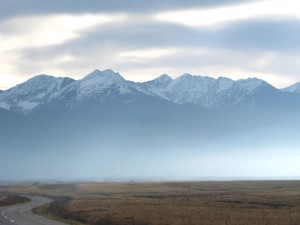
<point x="7" y="200"/>
<point x="172" y="203"/>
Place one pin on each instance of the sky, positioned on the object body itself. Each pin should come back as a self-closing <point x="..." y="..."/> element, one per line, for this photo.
<point x="143" y="39"/>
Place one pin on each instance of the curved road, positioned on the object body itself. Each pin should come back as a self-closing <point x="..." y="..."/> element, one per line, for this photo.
<point x="21" y="214"/>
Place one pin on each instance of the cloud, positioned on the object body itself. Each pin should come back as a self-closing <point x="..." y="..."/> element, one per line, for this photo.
<point x="274" y="9"/>
<point x="67" y="39"/>
<point x="146" y="63"/>
<point x="141" y="54"/>
<point x="21" y="34"/>
<point x="16" y="8"/>
<point x="263" y="35"/>
<point x="36" y="31"/>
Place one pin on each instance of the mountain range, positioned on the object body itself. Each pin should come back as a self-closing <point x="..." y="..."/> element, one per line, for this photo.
<point x="44" y="91"/>
<point x="104" y="126"/>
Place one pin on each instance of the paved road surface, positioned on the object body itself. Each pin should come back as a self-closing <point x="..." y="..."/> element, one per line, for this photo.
<point x="21" y="214"/>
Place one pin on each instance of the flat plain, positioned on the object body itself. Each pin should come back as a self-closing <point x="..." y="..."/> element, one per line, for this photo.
<point x="7" y="200"/>
<point x="170" y="203"/>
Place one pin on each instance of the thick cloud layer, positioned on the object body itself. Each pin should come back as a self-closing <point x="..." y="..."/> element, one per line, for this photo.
<point x="19" y="7"/>
<point x="71" y="38"/>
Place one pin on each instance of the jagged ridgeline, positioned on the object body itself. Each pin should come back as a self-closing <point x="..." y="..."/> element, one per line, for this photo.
<point x="104" y="126"/>
<point x="45" y="91"/>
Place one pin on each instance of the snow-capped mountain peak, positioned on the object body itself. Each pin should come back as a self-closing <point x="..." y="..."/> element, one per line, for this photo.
<point x="156" y="85"/>
<point x="249" y="84"/>
<point x="293" y="88"/>
<point x="35" y="84"/>
<point x="104" y="73"/>
<point x="30" y="94"/>
<point x="107" y="77"/>
<point x="187" y="88"/>
<point x="99" y="86"/>
<point x="164" y="78"/>
<point x="205" y="91"/>
<point x="99" y="81"/>
<point x="45" y="83"/>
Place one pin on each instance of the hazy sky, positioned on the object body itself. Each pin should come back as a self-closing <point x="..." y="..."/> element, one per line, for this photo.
<point x="142" y="39"/>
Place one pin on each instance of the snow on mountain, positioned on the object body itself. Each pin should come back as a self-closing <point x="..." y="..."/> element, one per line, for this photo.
<point x="98" y="85"/>
<point x="293" y="88"/>
<point x="239" y="93"/>
<point x="204" y="91"/>
<point x="32" y="93"/>
<point x="208" y="92"/>
<point x="247" y="86"/>
<point x="100" y="82"/>
<point x="44" y="90"/>
<point x="188" y="88"/>
<point x="101" y="79"/>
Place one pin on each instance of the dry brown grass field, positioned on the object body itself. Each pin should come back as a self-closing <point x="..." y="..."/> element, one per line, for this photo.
<point x="172" y="203"/>
<point x="6" y="200"/>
